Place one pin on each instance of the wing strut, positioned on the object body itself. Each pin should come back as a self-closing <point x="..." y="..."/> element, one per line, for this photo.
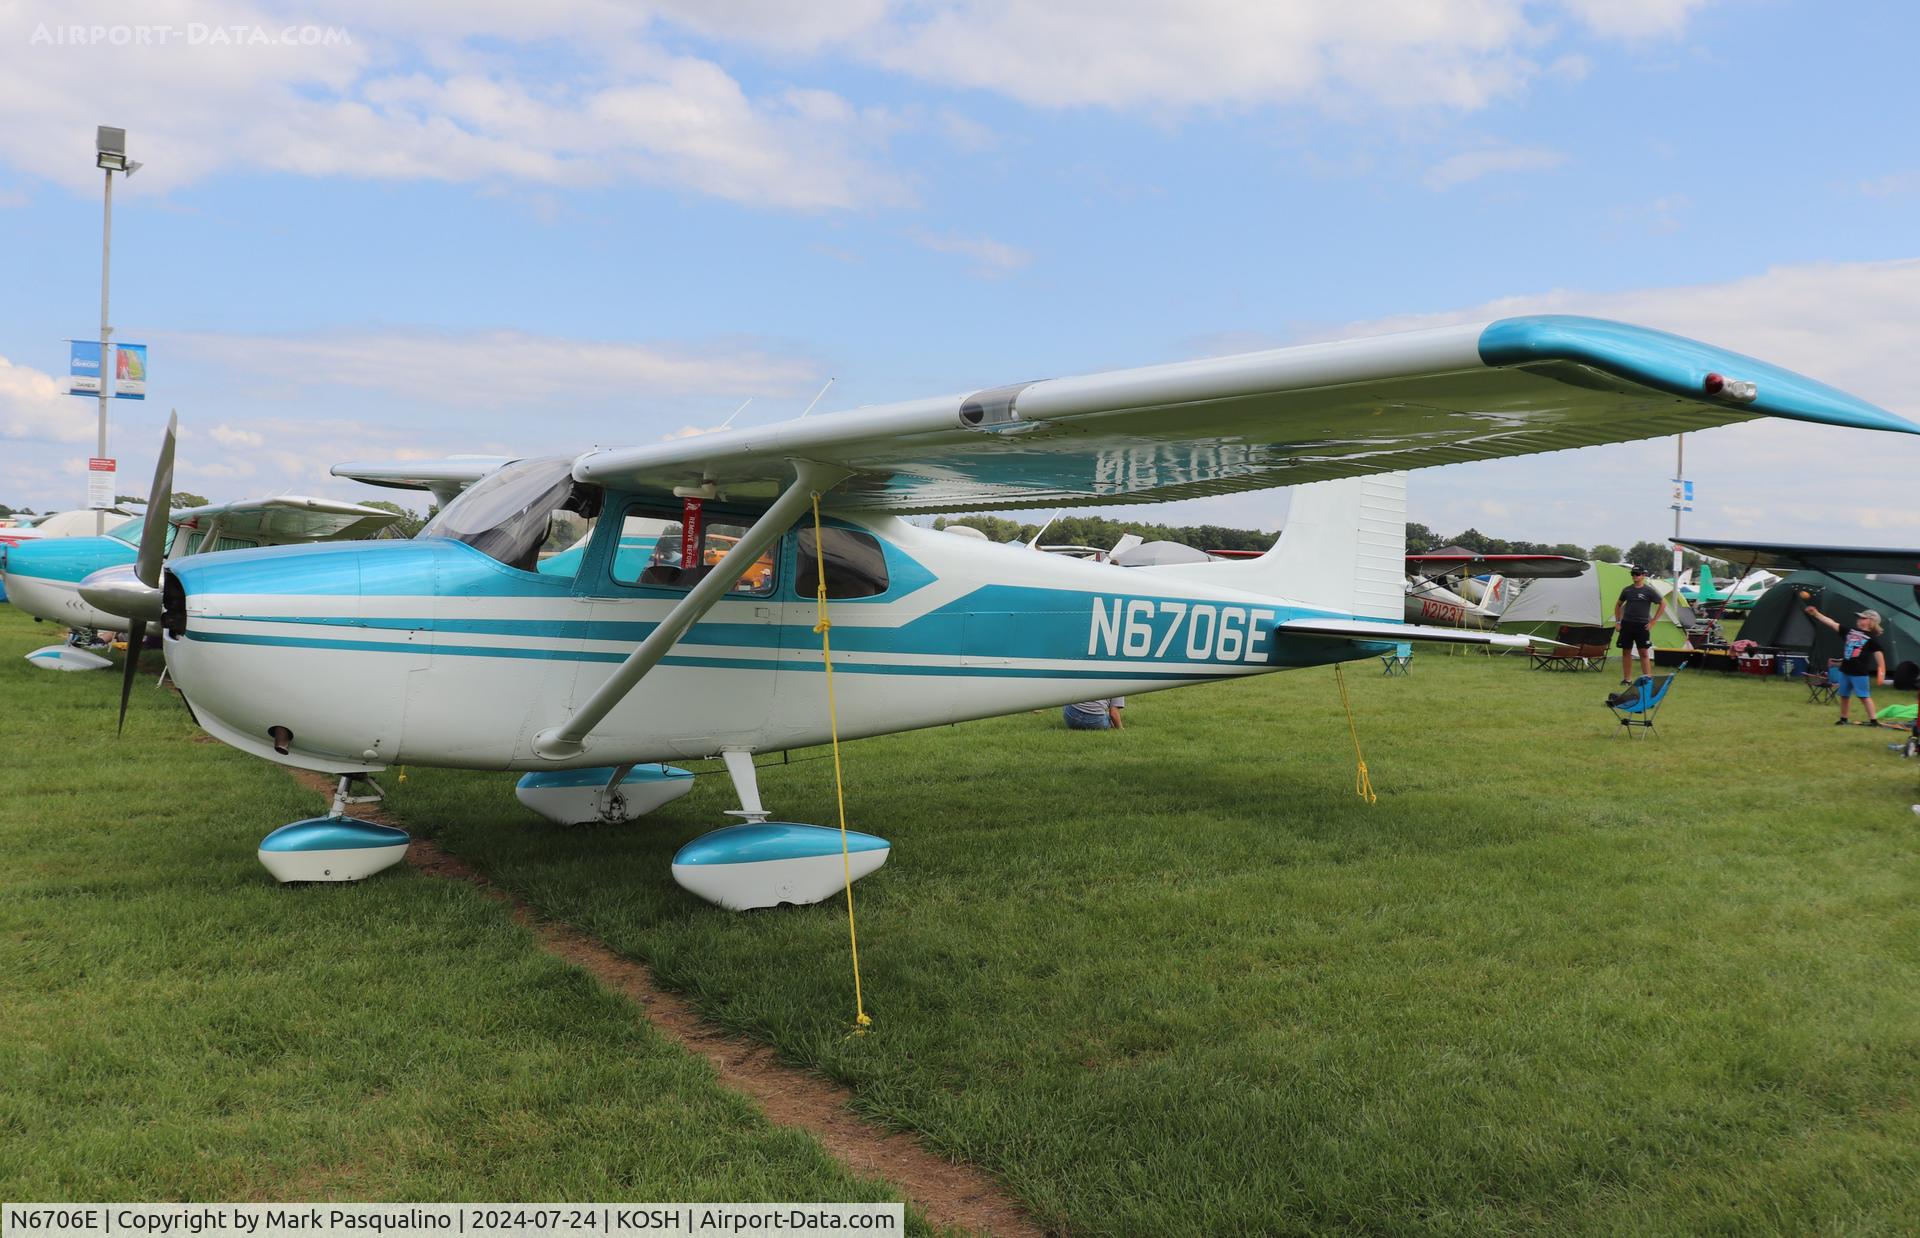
<point x="561" y="742"/>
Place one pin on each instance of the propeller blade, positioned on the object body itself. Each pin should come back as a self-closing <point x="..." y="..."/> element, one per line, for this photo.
<point x="153" y="537"/>
<point x="136" y="637"/>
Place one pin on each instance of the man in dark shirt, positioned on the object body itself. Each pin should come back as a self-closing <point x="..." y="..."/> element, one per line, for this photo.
<point x="1633" y="616"/>
<point x="1863" y="661"/>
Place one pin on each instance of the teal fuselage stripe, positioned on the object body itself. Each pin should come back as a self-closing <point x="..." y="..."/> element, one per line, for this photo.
<point x="1122" y="670"/>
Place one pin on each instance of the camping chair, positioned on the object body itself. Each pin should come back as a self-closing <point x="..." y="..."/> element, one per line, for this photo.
<point x="1582" y="647"/>
<point x="1820" y="686"/>
<point x="1636" y="704"/>
<point x="1399" y="662"/>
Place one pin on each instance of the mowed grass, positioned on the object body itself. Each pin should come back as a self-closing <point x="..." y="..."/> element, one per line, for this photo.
<point x="1181" y="980"/>
<point x="175" y="1025"/>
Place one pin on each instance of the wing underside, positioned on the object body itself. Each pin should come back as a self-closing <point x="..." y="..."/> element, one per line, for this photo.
<point x="1280" y="418"/>
<point x="287" y="519"/>
<point x="1788" y="557"/>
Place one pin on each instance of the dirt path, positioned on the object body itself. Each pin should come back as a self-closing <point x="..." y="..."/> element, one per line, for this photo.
<point x="948" y="1194"/>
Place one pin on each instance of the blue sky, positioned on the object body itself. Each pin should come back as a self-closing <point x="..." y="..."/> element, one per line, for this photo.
<point x="498" y="227"/>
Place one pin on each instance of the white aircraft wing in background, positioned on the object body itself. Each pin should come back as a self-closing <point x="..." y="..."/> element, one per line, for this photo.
<point x="283" y="519"/>
<point x="444" y="478"/>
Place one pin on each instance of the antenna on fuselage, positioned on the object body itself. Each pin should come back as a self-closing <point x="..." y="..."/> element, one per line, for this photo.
<point x="1035" y="543"/>
<point x="736" y="412"/>
<point x="816" y="399"/>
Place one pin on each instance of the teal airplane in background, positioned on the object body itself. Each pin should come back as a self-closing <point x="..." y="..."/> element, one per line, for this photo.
<point x="43" y="577"/>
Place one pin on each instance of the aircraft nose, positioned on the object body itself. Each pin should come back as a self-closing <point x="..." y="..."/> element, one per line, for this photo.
<point x="267" y="647"/>
<point x="119" y="591"/>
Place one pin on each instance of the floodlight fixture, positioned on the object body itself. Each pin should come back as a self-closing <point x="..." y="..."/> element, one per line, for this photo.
<point x="110" y="149"/>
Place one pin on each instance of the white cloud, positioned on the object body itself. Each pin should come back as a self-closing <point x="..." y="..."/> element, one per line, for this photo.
<point x="620" y="107"/>
<point x="573" y="92"/>
<point x="1474" y="164"/>
<point x="495" y="371"/>
<point x="1893" y="185"/>
<point x="991" y="259"/>
<point x="1189" y="53"/>
<point x="34" y="405"/>
<point x="232" y="436"/>
<point x="1633" y="19"/>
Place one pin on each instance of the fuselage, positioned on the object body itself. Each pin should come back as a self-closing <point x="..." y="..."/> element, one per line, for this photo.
<point x="42" y="577"/>
<point x="1428" y="602"/>
<point x="430" y="652"/>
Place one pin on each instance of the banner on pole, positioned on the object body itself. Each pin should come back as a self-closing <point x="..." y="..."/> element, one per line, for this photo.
<point x="83" y="367"/>
<point x="101" y="475"/>
<point x="129" y="371"/>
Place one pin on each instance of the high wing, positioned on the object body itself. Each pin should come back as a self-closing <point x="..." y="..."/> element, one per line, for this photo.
<point x="1518" y="567"/>
<point x="444" y="478"/>
<point x="1787" y="557"/>
<point x="287" y="518"/>
<point x="1279" y="418"/>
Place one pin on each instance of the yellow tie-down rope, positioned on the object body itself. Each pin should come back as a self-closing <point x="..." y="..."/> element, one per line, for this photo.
<point x="1362" y="782"/>
<point x="824" y="627"/>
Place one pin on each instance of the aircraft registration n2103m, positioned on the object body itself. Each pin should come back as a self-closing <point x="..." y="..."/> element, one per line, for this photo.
<point x="586" y="619"/>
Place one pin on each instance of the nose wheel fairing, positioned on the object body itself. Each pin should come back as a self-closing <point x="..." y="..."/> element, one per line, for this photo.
<point x="335" y="847"/>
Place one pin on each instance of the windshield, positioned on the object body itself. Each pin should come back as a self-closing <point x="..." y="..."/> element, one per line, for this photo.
<point x="131" y="530"/>
<point x="517" y="512"/>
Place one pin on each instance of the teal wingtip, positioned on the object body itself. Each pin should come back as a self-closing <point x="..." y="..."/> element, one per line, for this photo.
<point x="1679" y="366"/>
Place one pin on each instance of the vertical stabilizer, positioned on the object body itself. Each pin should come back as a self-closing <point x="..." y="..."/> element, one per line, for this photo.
<point x="1344" y="549"/>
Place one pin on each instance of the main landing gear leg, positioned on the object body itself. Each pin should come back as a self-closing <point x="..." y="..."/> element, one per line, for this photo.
<point x="761" y="863"/>
<point x="335" y="847"/>
<point x="746" y="785"/>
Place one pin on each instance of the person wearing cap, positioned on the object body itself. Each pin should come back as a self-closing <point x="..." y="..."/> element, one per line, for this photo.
<point x="1633" y="617"/>
<point x="1863" y="660"/>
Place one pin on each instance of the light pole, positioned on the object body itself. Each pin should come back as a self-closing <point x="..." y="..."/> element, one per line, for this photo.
<point x="110" y="153"/>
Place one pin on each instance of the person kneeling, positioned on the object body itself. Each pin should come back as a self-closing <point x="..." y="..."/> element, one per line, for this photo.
<point x="1095" y="715"/>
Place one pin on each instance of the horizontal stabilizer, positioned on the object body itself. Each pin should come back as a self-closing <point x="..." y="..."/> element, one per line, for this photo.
<point x="1364" y="629"/>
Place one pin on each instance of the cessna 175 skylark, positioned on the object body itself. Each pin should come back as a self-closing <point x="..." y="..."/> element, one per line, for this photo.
<point x="685" y="625"/>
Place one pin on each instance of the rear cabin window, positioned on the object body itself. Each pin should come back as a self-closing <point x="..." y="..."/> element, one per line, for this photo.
<point x="856" y="566"/>
<point x="649" y="553"/>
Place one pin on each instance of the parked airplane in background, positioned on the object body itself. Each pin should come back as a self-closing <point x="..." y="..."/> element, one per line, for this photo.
<point x="459" y="649"/>
<point x="1461" y="589"/>
<point x="44" y="577"/>
<point x="1735" y="598"/>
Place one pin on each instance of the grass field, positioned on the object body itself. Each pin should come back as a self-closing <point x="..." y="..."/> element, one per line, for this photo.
<point x="175" y="1026"/>
<point x="1173" y="980"/>
<point x="1179" y="979"/>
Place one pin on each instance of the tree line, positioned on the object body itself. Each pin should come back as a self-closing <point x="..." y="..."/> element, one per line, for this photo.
<point x="1103" y="532"/>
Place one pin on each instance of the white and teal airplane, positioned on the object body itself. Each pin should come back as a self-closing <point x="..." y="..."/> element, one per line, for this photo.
<point x="43" y="577"/>
<point x="585" y="619"/>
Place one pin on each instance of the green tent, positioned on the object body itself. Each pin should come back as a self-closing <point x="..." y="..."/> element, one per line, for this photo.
<point x="1586" y="600"/>
<point x="1778" y="622"/>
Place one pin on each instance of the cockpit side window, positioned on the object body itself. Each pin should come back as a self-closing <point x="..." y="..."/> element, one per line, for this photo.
<point x="530" y="515"/>
<point x="650" y="553"/>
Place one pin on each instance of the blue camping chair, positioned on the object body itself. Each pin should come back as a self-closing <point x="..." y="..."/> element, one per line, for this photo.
<point x="1636" y="704"/>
